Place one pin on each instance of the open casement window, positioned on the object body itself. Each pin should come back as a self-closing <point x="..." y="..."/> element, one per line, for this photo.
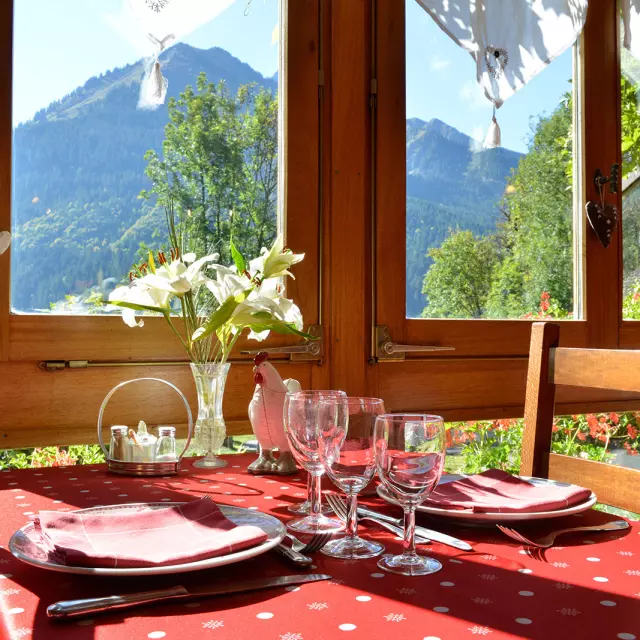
<point x="79" y="243"/>
<point x="473" y="244"/>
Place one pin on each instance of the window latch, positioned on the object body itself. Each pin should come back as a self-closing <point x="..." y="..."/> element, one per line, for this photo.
<point x="388" y="350"/>
<point x="309" y="350"/>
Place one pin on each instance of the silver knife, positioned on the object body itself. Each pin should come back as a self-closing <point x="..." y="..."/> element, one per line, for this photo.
<point x="72" y="609"/>
<point x="436" y="536"/>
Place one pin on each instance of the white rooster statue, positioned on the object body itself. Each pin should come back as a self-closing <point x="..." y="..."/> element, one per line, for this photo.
<point x="267" y="420"/>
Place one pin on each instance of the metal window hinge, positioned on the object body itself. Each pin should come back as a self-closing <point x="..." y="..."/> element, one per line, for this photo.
<point x="308" y="351"/>
<point x="388" y="350"/>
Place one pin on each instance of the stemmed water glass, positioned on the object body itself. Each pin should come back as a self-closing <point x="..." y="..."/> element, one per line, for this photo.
<point x="300" y="422"/>
<point x="345" y="429"/>
<point x="304" y="508"/>
<point x="410" y="450"/>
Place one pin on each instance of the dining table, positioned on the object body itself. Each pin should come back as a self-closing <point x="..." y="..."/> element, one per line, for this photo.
<point x="586" y="587"/>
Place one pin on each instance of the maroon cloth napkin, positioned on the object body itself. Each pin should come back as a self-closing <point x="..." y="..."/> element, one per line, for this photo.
<point x="146" y="538"/>
<point x="495" y="491"/>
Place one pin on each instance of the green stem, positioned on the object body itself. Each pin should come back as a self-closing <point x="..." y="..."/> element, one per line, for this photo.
<point x="184" y="344"/>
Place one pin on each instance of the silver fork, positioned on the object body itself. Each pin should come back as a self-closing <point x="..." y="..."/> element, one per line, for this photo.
<point x="340" y="509"/>
<point x="298" y="549"/>
<point x="547" y="541"/>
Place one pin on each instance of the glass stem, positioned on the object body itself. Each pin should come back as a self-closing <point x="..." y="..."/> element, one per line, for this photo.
<point x="309" y="486"/>
<point x="409" y="542"/>
<point x="315" y="494"/>
<point x="352" y="515"/>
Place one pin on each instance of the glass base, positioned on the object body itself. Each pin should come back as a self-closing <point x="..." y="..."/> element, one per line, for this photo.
<point x="315" y="524"/>
<point x="352" y="548"/>
<point x="209" y="462"/>
<point x="304" y="508"/>
<point x="413" y="565"/>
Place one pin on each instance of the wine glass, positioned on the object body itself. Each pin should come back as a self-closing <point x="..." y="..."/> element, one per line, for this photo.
<point x="345" y="429"/>
<point x="304" y="508"/>
<point x="300" y="422"/>
<point x="410" y="450"/>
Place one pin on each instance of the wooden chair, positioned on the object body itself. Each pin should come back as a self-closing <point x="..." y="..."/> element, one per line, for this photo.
<point x="550" y="365"/>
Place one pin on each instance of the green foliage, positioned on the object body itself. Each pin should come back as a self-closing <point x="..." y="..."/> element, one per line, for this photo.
<point x="51" y="456"/>
<point x="457" y="284"/>
<point x="219" y="162"/>
<point x="79" y="166"/>
<point x="495" y="444"/>
<point x="534" y="235"/>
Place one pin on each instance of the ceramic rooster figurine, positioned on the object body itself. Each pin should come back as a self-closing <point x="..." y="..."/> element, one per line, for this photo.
<point x="267" y="420"/>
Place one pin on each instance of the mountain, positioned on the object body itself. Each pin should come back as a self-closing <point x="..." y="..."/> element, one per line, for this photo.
<point x="450" y="183"/>
<point x="79" y="167"/>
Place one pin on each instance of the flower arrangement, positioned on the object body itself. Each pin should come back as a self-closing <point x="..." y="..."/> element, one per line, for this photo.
<point x="216" y="302"/>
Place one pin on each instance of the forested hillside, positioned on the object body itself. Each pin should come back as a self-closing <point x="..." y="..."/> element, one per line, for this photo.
<point x="450" y="184"/>
<point x="79" y="167"/>
<point x="78" y="170"/>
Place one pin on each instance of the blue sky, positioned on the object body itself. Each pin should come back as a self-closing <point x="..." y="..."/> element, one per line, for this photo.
<point x="58" y="50"/>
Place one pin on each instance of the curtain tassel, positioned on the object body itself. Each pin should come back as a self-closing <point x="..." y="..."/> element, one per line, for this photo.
<point x="493" y="139"/>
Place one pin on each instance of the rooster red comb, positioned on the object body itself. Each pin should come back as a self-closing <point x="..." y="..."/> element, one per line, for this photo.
<point x="263" y="356"/>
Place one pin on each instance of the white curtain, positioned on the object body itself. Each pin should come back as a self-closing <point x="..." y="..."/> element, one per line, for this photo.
<point x="154" y="25"/>
<point x="510" y="40"/>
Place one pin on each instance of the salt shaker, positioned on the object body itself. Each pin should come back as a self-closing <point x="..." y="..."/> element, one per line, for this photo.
<point x="166" y="444"/>
<point x="120" y="448"/>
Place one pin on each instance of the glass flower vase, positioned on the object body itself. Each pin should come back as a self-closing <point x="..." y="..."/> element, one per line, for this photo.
<point x="210" y="428"/>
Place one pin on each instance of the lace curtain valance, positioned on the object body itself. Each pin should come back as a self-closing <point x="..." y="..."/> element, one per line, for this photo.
<point x="511" y="41"/>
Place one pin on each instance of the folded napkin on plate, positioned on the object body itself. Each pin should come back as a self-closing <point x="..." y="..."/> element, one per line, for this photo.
<point x="496" y="491"/>
<point x="146" y="538"/>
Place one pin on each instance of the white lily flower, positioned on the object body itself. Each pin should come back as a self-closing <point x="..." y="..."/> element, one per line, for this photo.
<point x="194" y="272"/>
<point x="137" y="293"/>
<point x="228" y="283"/>
<point x="170" y="277"/>
<point x="275" y="262"/>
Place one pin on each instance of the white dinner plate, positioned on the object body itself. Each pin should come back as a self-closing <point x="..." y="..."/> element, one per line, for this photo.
<point x="26" y="544"/>
<point x="492" y="518"/>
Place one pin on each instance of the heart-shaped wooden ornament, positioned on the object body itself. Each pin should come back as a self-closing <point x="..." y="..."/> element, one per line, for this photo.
<point x="603" y="221"/>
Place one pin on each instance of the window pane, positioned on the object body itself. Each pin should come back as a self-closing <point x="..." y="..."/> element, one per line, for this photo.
<point x="630" y="112"/>
<point x="92" y="171"/>
<point x="489" y="230"/>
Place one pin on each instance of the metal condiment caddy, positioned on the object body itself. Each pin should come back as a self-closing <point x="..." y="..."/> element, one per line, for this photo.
<point x="133" y="468"/>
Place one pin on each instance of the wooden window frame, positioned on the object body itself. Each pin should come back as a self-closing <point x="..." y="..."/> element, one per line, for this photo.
<point x="38" y="408"/>
<point x="485" y="375"/>
<point x="473" y="338"/>
<point x="25" y="338"/>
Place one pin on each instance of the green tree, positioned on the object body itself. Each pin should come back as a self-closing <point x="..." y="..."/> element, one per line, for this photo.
<point x="537" y="231"/>
<point x="458" y="282"/>
<point x="219" y="162"/>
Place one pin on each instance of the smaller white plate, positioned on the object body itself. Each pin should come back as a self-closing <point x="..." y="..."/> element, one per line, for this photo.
<point x="26" y="544"/>
<point x="491" y="518"/>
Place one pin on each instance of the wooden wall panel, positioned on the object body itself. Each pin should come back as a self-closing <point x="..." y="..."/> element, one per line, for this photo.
<point x="70" y="400"/>
<point x="483" y="388"/>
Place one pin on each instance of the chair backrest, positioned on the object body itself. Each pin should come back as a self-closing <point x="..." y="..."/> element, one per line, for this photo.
<point x="550" y="365"/>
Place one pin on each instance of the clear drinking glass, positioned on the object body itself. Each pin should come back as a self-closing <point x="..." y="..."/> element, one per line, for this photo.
<point x="300" y="422"/>
<point x="304" y="508"/>
<point x="410" y="450"/>
<point x="345" y="428"/>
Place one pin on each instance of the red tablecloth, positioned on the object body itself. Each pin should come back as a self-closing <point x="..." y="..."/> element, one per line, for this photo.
<point x="580" y="591"/>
